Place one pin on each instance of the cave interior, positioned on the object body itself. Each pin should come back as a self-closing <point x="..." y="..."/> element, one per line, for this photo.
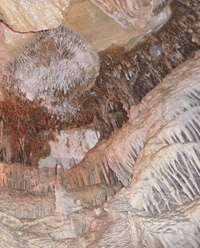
<point x="99" y="129"/>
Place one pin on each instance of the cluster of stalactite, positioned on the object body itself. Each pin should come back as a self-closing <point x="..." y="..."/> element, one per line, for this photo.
<point x="19" y="177"/>
<point x="160" y="207"/>
<point x="25" y="132"/>
<point x="124" y="79"/>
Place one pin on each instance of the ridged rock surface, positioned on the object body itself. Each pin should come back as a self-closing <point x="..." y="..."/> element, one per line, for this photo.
<point x="161" y="111"/>
<point x="29" y="15"/>
<point x="85" y="17"/>
<point x="159" y="149"/>
<point x="160" y="207"/>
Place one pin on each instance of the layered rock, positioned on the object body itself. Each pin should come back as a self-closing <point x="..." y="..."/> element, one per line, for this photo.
<point x="84" y="17"/>
<point x="24" y="16"/>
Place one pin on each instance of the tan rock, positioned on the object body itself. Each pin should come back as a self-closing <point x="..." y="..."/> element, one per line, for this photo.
<point x="29" y="15"/>
<point x="10" y="42"/>
<point x="129" y="12"/>
<point x="102" y="31"/>
<point x="85" y="17"/>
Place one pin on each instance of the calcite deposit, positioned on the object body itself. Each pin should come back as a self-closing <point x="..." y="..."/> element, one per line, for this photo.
<point x="69" y="147"/>
<point x="97" y="27"/>
<point x="31" y="15"/>
<point x="131" y="13"/>
<point x="10" y="43"/>
<point x="102" y="150"/>
<point x="50" y="66"/>
<point x="86" y="18"/>
<point x="162" y="200"/>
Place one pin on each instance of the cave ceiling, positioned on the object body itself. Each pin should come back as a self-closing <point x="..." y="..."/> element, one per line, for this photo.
<point x="106" y="93"/>
<point x="100" y="96"/>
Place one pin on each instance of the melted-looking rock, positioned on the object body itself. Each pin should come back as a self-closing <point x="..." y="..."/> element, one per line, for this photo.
<point x="174" y="100"/>
<point x="93" y="169"/>
<point x="23" y="205"/>
<point x="124" y="79"/>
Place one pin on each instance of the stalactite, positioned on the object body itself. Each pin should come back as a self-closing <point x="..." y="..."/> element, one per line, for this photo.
<point x="124" y="79"/>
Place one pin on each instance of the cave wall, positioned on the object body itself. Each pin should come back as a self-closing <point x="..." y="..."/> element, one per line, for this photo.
<point x="139" y="184"/>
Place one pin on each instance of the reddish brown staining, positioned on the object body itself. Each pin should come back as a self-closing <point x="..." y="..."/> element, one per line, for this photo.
<point x="29" y="130"/>
<point x="124" y="79"/>
<point x="127" y="77"/>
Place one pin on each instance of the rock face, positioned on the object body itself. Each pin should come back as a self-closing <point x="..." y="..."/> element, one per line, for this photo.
<point x="54" y="69"/>
<point x="69" y="147"/>
<point x="10" y="42"/>
<point x="154" y="156"/>
<point x="174" y="108"/>
<point x="31" y="15"/>
<point x="161" y="142"/>
<point x="160" y="207"/>
<point x="131" y="13"/>
<point x="86" y="18"/>
<point x="102" y="31"/>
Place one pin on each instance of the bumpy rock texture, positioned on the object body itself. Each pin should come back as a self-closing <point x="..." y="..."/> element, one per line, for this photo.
<point x="155" y="155"/>
<point x="56" y="67"/>
<point x="159" y="146"/>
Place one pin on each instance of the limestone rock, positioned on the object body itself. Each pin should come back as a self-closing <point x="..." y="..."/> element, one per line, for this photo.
<point x="85" y="17"/>
<point x="55" y="68"/>
<point x="24" y="205"/>
<point x="102" y="31"/>
<point x="70" y="146"/>
<point x="160" y="207"/>
<point x="130" y="13"/>
<point x="10" y="43"/>
<point x="25" y="16"/>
